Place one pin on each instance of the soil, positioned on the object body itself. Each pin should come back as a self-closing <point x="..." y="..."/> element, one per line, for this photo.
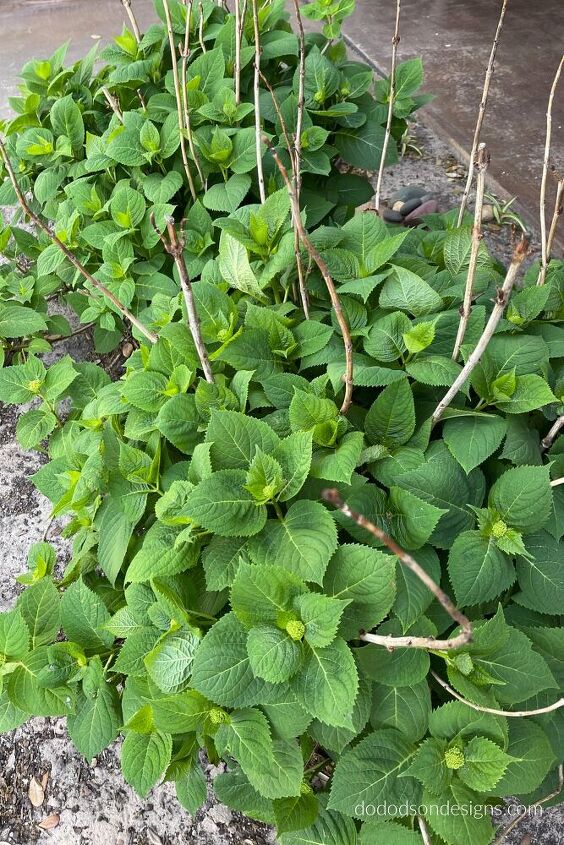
<point x="91" y="804"/>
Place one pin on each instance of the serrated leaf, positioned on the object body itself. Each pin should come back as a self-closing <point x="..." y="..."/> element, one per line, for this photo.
<point x="478" y="570"/>
<point x="144" y="759"/>
<point x="473" y="439"/>
<point x="83" y="615"/>
<point x="390" y="420"/>
<point x="523" y="497"/>
<point x="327" y="684"/>
<point x="221" y="504"/>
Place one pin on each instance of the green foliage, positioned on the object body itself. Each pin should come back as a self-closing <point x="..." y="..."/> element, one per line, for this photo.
<point x="212" y="600"/>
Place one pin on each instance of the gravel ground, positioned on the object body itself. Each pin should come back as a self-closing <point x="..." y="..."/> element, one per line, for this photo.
<point x="91" y="804"/>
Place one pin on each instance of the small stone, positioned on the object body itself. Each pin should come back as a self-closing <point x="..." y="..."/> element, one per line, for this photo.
<point x="391" y="216"/>
<point x="408" y="192"/>
<point x="397" y="206"/>
<point x="411" y="205"/>
<point x="221" y="814"/>
<point x="487" y="213"/>
<point x="208" y="826"/>
<point x="429" y="207"/>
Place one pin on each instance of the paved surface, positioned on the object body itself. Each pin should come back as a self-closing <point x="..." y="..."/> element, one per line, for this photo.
<point x="454" y="38"/>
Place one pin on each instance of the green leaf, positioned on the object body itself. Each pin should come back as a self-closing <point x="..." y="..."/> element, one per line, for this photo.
<point x="330" y="828"/>
<point x="169" y="664"/>
<point x="392" y="833"/>
<point x="523" y="497"/>
<point x="294" y="453"/>
<point x="66" y="119"/>
<point x="358" y="146"/>
<point x="14" y="635"/>
<point x="484" y="764"/>
<point x="145" y="390"/>
<point x="228" y="196"/>
<point x="144" y="759"/>
<point x="83" y="615"/>
<point x="235" y="437"/>
<point x="541" y="576"/>
<point x="260" y="594"/>
<point x="178" y="421"/>
<point x="273" y="655"/>
<point x="33" y="427"/>
<point x="532" y="758"/>
<point x="160" y="556"/>
<point x="97" y="720"/>
<point x="295" y="813"/>
<point x="302" y="542"/>
<point x="406" y="708"/>
<point x="370" y="773"/>
<point x="478" y="570"/>
<point x="531" y="392"/>
<point x="19" y="321"/>
<point x="456" y="829"/>
<point x="364" y="577"/>
<point x="407" y="291"/>
<point x="40" y="607"/>
<point x="181" y="713"/>
<point x="390" y="420"/>
<point x="472" y="440"/>
<point x="221" y="670"/>
<point x="327" y="684"/>
<point x="235" y="267"/>
<point x="221" y="504"/>
<point x="434" y="370"/>
<point x="321" y="616"/>
<point x="338" y="464"/>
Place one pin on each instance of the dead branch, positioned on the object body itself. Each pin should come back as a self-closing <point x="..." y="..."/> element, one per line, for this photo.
<point x="423" y="829"/>
<point x="547" y="441"/>
<point x="516" y="714"/>
<point x="70" y="255"/>
<point x="175" y="248"/>
<point x="482" y="112"/>
<point x="179" y="101"/>
<point x="185" y="52"/>
<point x="295" y="163"/>
<point x="552" y="230"/>
<point x="113" y="103"/>
<point x="239" y="27"/>
<point x="392" y="95"/>
<point x="501" y="301"/>
<point x="557" y="482"/>
<point x="134" y="25"/>
<point x="324" y="270"/>
<point x="545" y="256"/>
<point x="256" y="89"/>
<point x="334" y="497"/>
<point x="482" y="161"/>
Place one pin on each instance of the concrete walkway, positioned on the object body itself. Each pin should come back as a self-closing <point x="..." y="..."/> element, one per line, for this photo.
<point x="453" y="37"/>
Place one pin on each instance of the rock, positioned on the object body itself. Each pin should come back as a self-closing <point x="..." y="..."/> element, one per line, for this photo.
<point x="411" y="205"/>
<point x="391" y="216"/>
<point x="221" y="814"/>
<point x="429" y="207"/>
<point x="408" y="192"/>
<point x="487" y="213"/>
<point x="397" y="206"/>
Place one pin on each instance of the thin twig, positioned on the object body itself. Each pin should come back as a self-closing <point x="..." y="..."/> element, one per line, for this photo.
<point x="501" y="301"/>
<point x="334" y="497"/>
<point x="392" y="94"/>
<point x="179" y="106"/>
<point x="297" y="252"/>
<point x="547" y="441"/>
<point x="113" y="103"/>
<point x="553" y="226"/>
<point x="256" y="89"/>
<point x="239" y="23"/>
<point x="324" y="270"/>
<point x="297" y="157"/>
<point x="175" y="248"/>
<point x="545" y="257"/>
<point x="514" y="822"/>
<point x="70" y="255"/>
<point x="481" y="112"/>
<point x="482" y="161"/>
<point x="424" y="832"/>
<point x="557" y="482"/>
<point x="134" y="25"/>
<point x="516" y="714"/>
<point x="201" y="28"/>
<point x="185" y="52"/>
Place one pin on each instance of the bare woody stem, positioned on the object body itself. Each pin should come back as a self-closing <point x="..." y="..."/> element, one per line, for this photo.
<point x="179" y="100"/>
<point x="301" y="276"/>
<point x="113" y="103"/>
<point x="392" y="96"/>
<point x="256" y="88"/>
<point x="514" y="822"/>
<point x="239" y="25"/>
<point x="465" y="636"/>
<point x="482" y="161"/>
<point x="545" y="256"/>
<point x="555" y="218"/>
<point x="423" y="829"/>
<point x="132" y="19"/>
<point x="547" y="441"/>
<point x="557" y="482"/>
<point x="151" y="336"/>
<point x="482" y="112"/>
<point x="501" y="301"/>
<point x="516" y="714"/>
<point x="324" y="270"/>
<point x="185" y="52"/>
<point x="175" y="248"/>
<point x="298" y="153"/>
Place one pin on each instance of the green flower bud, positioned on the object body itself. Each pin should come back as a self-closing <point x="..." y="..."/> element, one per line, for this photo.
<point x="499" y="529"/>
<point x="305" y="789"/>
<point x="454" y="758"/>
<point x="295" y="629"/>
<point x="218" y="716"/>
